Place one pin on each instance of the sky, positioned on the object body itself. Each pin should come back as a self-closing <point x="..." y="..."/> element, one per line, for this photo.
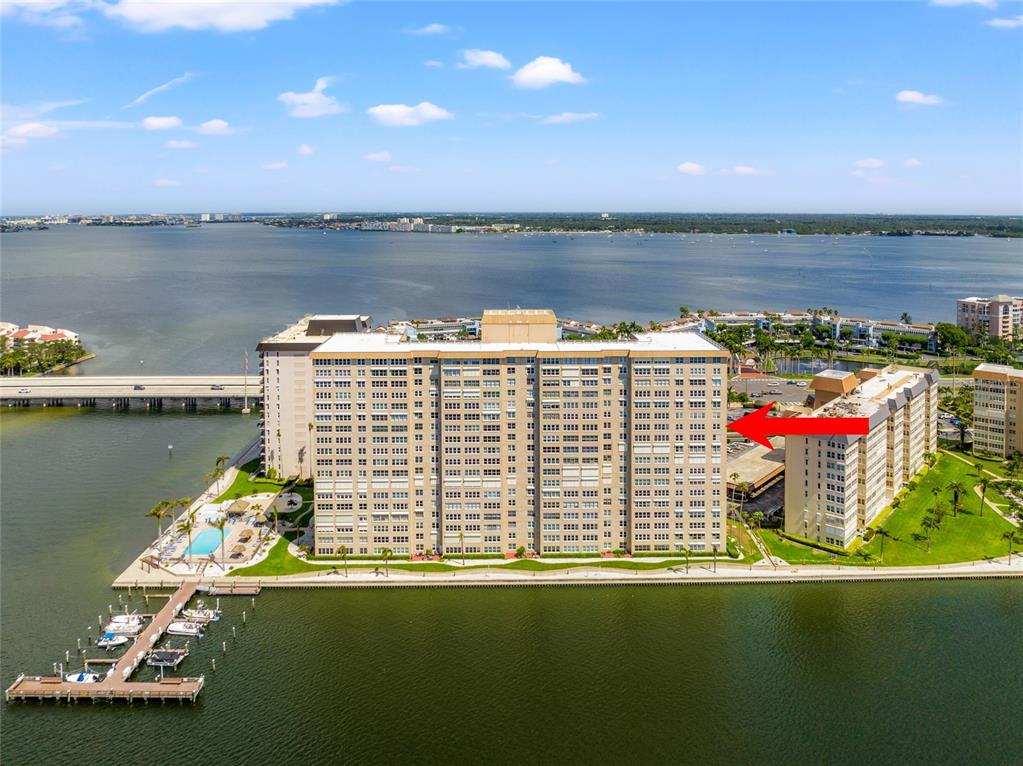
<point x="312" y="105"/>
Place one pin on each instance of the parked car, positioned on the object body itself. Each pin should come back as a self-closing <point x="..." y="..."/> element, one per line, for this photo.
<point x="801" y="384"/>
<point x="216" y="387"/>
<point x="24" y="390"/>
<point x="139" y="388"/>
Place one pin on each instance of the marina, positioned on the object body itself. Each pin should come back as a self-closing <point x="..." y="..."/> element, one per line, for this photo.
<point x="115" y="684"/>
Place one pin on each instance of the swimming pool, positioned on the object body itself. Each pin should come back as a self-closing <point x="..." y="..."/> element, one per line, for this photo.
<point x="206" y="542"/>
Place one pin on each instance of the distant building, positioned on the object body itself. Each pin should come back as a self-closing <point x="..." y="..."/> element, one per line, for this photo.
<point x="205" y="217"/>
<point x="1000" y="316"/>
<point x="18" y="337"/>
<point x="835" y="486"/>
<point x="997" y="409"/>
<point x="329" y="216"/>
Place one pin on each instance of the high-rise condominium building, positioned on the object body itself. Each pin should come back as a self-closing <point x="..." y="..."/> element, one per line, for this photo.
<point x="837" y="485"/>
<point x="287" y="372"/>
<point x="1000" y="316"/>
<point x="997" y="406"/>
<point x="518" y="439"/>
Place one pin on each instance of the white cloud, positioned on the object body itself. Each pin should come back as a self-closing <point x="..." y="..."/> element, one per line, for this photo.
<point x="403" y="115"/>
<point x="429" y="29"/>
<point x="474" y="58"/>
<point x="912" y="162"/>
<point x="402" y="169"/>
<point x="1013" y="22"/>
<point x="305" y="150"/>
<point x="917" y="98"/>
<point x="12" y="113"/>
<point x="544" y="71"/>
<point x="276" y="166"/>
<point x="166" y="183"/>
<point x="215" y="127"/>
<point x="161" y="123"/>
<point x="221" y="15"/>
<point x="381" y="156"/>
<point x="692" y="169"/>
<point x="315" y="103"/>
<point x="870" y="162"/>
<point x="953" y="3"/>
<point x="33" y="130"/>
<point x="566" y="117"/>
<point x="176" y="144"/>
<point x="159" y="89"/>
<point x="433" y="64"/>
<point x="748" y="170"/>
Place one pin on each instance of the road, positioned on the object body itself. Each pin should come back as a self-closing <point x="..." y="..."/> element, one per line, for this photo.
<point x="64" y="387"/>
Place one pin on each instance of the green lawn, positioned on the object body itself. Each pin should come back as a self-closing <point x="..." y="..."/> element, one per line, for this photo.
<point x="968" y="537"/>
<point x="796" y="553"/>
<point x="243" y="485"/>
<point x="281" y="562"/>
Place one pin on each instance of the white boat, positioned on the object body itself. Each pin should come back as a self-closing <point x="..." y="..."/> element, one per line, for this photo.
<point x="184" y="629"/>
<point x="82" y="678"/>
<point x="126" y="619"/>
<point x="201" y="615"/>
<point x="111" y="640"/>
<point x="126" y="629"/>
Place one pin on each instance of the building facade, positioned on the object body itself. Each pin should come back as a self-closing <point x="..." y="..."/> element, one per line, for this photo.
<point x="1000" y="316"/>
<point x="835" y="486"/>
<point x="516" y="440"/>
<point x="286" y="374"/>
<point x="997" y="404"/>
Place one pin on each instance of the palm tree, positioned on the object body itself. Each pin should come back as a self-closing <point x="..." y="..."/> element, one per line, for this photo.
<point x="936" y="491"/>
<point x="929" y="523"/>
<point x="461" y="544"/>
<point x="984" y="480"/>
<point x="685" y="552"/>
<point x="310" y="427"/>
<point x="758" y="518"/>
<point x="386" y="553"/>
<point x="957" y="489"/>
<point x="715" y="547"/>
<point x="157" y="512"/>
<point x="1011" y="536"/>
<point x="220" y="524"/>
<point x="185" y="528"/>
<point x="343" y="550"/>
<point x="906" y="318"/>
<point x="883" y="534"/>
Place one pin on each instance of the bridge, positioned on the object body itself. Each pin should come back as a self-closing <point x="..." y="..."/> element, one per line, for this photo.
<point x="122" y="391"/>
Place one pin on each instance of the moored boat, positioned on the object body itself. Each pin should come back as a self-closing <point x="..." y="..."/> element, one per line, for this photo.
<point x="184" y="629"/>
<point x="81" y="677"/>
<point x="112" y="640"/>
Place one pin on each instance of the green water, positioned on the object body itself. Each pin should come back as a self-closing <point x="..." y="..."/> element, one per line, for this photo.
<point x="869" y="673"/>
<point x="903" y="673"/>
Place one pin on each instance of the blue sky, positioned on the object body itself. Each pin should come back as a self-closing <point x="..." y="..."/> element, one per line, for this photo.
<point x="289" y="105"/>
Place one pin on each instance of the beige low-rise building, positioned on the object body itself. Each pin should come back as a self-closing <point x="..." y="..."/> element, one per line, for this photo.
<point x="997" y="407"/>
<point x="835" y="486"/>
<point x="517" y="439"/>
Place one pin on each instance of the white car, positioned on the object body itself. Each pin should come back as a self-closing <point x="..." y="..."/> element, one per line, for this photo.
<point x="24" y="390"/>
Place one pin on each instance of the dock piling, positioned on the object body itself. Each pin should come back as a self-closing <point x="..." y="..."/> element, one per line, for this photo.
<point x="213" y="661"/>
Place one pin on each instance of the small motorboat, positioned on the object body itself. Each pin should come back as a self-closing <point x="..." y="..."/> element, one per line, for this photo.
<point x="184" y="629"/>
<point x="201" y="614"/>
<point x="112" y="640"/>
<point x="127" y="618"/>
<point x="82" y="677"/>
<point x="124" y="628"/>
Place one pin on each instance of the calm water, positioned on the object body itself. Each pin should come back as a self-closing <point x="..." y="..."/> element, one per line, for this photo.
<point x="885" y="673"/>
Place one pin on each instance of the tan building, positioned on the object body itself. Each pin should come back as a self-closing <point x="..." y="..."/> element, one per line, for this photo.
<point x="286" y="372"/>
<point x="1000" y="316"/>
<point x="997" y="405"/>
<point x="515" y="440"/>
<point x="835" y="486"/>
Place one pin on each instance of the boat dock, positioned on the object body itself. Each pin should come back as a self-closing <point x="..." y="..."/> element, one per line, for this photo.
<point x="115" y="685"/>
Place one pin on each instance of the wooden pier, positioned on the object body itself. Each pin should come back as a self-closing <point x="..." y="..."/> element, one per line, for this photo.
<point x="115" y="685"/>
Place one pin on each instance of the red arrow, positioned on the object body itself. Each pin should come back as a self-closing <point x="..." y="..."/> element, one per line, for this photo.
<point x="757" y="426"/>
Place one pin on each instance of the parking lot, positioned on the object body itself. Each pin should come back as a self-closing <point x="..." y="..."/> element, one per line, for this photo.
<point x="771" y="389"/>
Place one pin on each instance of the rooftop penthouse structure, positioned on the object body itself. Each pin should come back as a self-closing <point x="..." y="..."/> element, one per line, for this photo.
<point x="835" y="486"/>
<point x="515" y="439"/>
<point x="997" y="409"/>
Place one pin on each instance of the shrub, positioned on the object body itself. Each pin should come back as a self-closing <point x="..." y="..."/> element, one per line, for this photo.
<point x="814" y="544"/>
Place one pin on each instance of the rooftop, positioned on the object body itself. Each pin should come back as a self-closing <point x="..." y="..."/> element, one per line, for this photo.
<point x="652" y="342"/>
